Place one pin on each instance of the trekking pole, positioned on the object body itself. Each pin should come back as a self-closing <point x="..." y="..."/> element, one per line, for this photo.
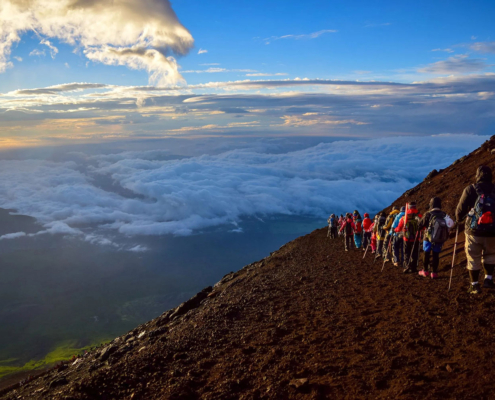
<point x="367" y="247"/>
<point x="453" y="257"/>
<point x="412" y="251"/>
<point x="386" y="253"/>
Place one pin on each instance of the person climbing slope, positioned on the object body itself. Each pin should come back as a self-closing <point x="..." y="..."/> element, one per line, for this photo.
<point x="367" y="230"/>
<point x="436" y="224"/>
<point x="409" y="226"/>
<point x="348" y="229"/>
<point x="380" y="234"/>
<point x="373" y="234"/>
<point x="387" y="228"/>
<point x="397" y="242"/>
<point x="477" y="207"/>
<point x="358" y="230"/>
<point x="332" y="227"/>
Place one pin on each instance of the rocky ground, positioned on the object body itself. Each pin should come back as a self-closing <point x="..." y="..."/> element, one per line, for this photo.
<point x="310" y="321"/>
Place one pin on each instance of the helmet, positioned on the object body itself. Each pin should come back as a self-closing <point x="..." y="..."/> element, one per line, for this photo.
<point x="366" y="215"/>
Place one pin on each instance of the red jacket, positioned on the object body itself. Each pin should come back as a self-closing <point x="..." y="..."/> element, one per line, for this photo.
<point x="367" y="222"/>
<point x="349" y="222"/>
<point x="411" y="213"/>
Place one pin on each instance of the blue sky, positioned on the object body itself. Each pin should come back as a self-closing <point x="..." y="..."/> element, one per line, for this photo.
<point x="448" y="46"/>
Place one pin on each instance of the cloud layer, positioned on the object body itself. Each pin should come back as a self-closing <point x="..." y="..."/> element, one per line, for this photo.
<point x="180" y="197"/>
<point x="139" y="34"/>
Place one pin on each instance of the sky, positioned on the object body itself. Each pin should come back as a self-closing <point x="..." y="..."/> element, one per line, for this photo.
<point x="85" y="71"/>
<point x="175" y="117"/>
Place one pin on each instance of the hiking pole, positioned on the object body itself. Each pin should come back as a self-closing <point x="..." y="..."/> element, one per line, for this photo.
<point x="412" y="251"/>
<point x="453" y="257"/>
<point x="386" y="253"/>
<point x="367" y="247"/>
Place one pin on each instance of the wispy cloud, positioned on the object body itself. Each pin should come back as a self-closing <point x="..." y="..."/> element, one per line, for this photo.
<point x="214" y="70"/>
<point x="483" y="47"/>
<point x="460" y="64"/>
<point x="305" y="36"/>
<point x="444" y="50"/>
<point x="376" y="25"/>
<point x="37" y="53"/>
<point x="202" y="51"/>
<point x="268" y="74"/>
<point x="53" y="49"/>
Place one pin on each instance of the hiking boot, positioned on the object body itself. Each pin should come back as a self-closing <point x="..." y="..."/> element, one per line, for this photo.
<point x="474" y="289"/>
<point x="346" y="250"/>
<point x="424" y="273"/>
<point x="408" y="270"/>
<point x="434" y="275"/>
<point x="396" y="264"/>
<point x="488" y="284"/>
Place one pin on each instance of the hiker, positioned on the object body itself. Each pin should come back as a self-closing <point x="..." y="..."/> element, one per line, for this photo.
<point x="436" y="224"/>
<point x="373" y="234"/>
<point x="409" y="226"/>
<point x="380" y="234"/>
<point x="348" y="229"/>
<point x="387" y="228"/>
<point x="477" y="206"/>
<point x="397" y="242"/>
<point x="367" y="230"/>
<point x="332" y="227"/>
<point x="358" y="229"/>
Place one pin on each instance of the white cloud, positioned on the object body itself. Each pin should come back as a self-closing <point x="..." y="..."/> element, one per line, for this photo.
<point x="138" y="34"/>
<point x="12" y="235"/>
<point x="138" y="249"/>
<point x="53" y="49"/>
<point x="67" y="65"/>
<point x="18" y="58"/>
<point x="483" y="47"/>
<point x="266" y="74"/>
<point x="202" y="51"/>
<point x="183" y="196"/>
<point x="313" y="35"/>
<point x="459" y="64"/>
<point x="38" y="53"/>
<point x="444" y="50"/>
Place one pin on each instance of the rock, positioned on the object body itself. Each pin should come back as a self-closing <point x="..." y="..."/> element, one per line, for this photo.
<point x="449" y="368"/>
<point x="492" y="151"/>
<point x="192" y="303"/>
<point x="299" y="383"/>
<point x="432" y="174"/>
<point x="58" y="382"/>
<point x="106" y="352"/>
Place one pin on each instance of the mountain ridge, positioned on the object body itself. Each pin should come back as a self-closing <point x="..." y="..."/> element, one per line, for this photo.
<point x="309" y="321"/>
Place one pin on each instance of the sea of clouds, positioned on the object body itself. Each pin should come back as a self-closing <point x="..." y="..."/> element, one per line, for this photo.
<point x="160" y="196"/>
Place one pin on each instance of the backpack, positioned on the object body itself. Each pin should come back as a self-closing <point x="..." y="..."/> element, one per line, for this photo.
<point x="348" y="226"/>
<point x="381" y="224"/>
<point x="333" y="223"/>
<point x="438" y="230"/>
<point x="483" y="213"/>
<point x="411" y="227"/>
<point x="359" y="226"/>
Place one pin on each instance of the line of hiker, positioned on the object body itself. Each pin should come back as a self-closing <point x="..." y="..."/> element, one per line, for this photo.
<point x="397" y="236"/>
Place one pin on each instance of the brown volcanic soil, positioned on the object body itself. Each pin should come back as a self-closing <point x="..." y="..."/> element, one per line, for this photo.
<point x="310" y="321"/>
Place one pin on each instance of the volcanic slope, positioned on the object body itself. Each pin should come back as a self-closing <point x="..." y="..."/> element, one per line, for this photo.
<point x="310" y="321"/>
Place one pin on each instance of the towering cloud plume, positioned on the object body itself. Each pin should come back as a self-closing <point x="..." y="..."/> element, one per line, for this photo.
<point x="139" y="34"/>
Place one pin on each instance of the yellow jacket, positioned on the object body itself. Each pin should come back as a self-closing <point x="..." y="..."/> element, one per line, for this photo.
<point x="388" y="225"/>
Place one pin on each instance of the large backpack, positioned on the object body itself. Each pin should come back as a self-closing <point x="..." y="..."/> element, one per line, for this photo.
<point x="411" y="227"/>
<point x="333" y="222"/>
<point x="484" y="212"/>
<point x="359" y="225"/>
<point x="381" y="224"/>
<point x="348" y="226"/>
<point x="438" y="230"/>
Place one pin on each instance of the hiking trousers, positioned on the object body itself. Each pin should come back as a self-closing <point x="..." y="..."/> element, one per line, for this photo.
<point x="479" y="251"/>
<point x="349" y="242"/>
<point x="366" y="239"/>
<point x="333" y="232"/>
<point x="411" y="257"/>
<point x="358" y="239"/>
<point x="398" y="250"/>
<point x="431" y="250"/>
<point x="379" y="247"/>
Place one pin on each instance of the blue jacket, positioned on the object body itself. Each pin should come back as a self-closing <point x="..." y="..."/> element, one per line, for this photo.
<point x="396" y="222"/>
